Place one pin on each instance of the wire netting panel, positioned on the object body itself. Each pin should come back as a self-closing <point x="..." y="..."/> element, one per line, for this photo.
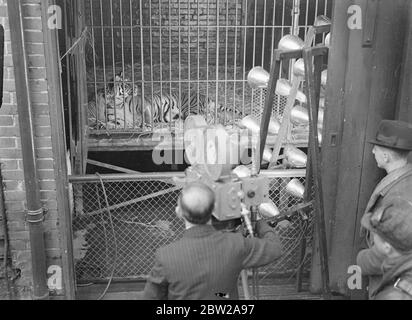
<point x="118" y="238"/>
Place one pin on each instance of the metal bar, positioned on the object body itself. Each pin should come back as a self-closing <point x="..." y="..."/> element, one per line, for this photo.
<point x="198" y="58"/>
<point x="142" y="63"/>
<point x="193" y="25"/>
<point x="235" y="62"/>
<point x="180" y="59"/>
<point x="69" y="83"/>
<point x="94" y="64"/>
<point x="133" y="77"/>
<point x="112" y="167"/>
<point x="267" y="111"/>
<point x="170" y="50"/>
<point x="104" y="64"/>
<point x="113" y="62"/>
<point x="244" y="54"/>
<point x="161" y="54"/>
<point x="34" y="213"/>
<point x="226" y="58"/>
<point x="217" y="54"/>
<point x="207" y="53"/>
<point x="285" y="120"/>
<point x="312" y="84"/>
<point x="254" y="35"/>
<point x="134" y="201"/>
<point x="1" y="63"/>
<point x="274" y="174"/>
<point x="151" y="62"/>
<point x="122" y="51"/>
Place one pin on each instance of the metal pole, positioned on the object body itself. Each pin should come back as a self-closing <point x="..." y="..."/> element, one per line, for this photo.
<point x="35" y="213"/>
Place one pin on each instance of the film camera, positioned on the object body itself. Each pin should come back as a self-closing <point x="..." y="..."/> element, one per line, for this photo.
<point x="215" y="157"/>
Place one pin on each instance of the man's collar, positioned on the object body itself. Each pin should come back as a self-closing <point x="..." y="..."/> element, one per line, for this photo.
<point x="199" y="231"/>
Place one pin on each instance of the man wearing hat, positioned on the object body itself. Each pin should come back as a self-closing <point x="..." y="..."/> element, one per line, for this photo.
<point x="391" y="228"/>
<point x="392" y="145"/>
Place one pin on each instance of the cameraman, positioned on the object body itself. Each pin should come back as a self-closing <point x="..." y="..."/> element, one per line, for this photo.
<point x="206" y="263"/>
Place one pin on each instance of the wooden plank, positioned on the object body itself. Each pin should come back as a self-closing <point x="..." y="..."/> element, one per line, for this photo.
<point x="365" y="95"/>
<point x="385" y="78"/>
<point x="59" y="151"/>
<point x="123" y="142"/>
<point x="404" y="111"/>
<point x="355" y="87"/>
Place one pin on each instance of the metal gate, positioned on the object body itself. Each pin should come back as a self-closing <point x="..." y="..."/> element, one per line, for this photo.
<point x="120" y="220"/>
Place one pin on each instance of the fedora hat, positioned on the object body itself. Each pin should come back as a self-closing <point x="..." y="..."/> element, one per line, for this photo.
<point x="394" y="134"/>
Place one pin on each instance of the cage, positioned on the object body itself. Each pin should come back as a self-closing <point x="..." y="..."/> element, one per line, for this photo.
<point x="146" y="65"/>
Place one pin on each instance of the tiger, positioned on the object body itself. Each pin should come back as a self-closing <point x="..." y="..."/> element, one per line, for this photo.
<point x="110" y="101"/>
<point x="200" y="104"/>
<point x="120" y="104"/>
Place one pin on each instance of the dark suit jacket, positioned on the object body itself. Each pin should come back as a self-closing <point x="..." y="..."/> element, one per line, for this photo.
<point x="206" y="263"/>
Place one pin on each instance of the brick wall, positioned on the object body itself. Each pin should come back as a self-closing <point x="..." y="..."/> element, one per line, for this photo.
<point x="10" y="148"/>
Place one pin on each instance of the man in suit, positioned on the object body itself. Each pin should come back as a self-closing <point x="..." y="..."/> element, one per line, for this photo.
<point x="206" y="263"/>
<point x="392" y="145"/>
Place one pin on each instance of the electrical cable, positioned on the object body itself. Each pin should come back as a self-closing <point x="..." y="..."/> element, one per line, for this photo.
<point x="114" y="239"/>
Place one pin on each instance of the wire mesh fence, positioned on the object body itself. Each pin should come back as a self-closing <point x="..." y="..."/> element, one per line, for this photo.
<point x="119" y="224"/>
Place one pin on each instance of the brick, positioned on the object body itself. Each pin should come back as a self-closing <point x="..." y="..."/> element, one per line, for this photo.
<point x="48" y="185"/>
<point x="31" y="10"/>
<point x="9" y="85"/>
<point x="45" y="195"/>
<point x="42" y="120"/>
<point x="44" y="164"/>
<point x="36" y="61"/>
<point x="6" y="121"/>
<point x="13" y="175"/>
<point x="9" y="164"/>
<point x="7" y="142"/>
<point x="40" y="98"/>
<point x="18" y="235"/>
<point x="10" y="154"/>
<point x="42" y="131"/>
<point x="32" y="23"/>
<point x="46" y="174"/>
<point x="7" y="108"/>
<point x="14" y="185"/>
<point x="15" y="207"/>
<point x="51" y="205"/>
<point x="44" y="153"/>
<point x="9" y="132"/>
<point x="14" y="195"/>
<point x="44" y="142"/>
<point x="41" y="109"/>
<point x="19" y="245"/>
<point x="37" y="73"/>
<point x="38" y="85"/>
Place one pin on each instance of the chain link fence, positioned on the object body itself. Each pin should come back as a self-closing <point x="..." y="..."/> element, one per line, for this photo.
<point x="118" y="224"/>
